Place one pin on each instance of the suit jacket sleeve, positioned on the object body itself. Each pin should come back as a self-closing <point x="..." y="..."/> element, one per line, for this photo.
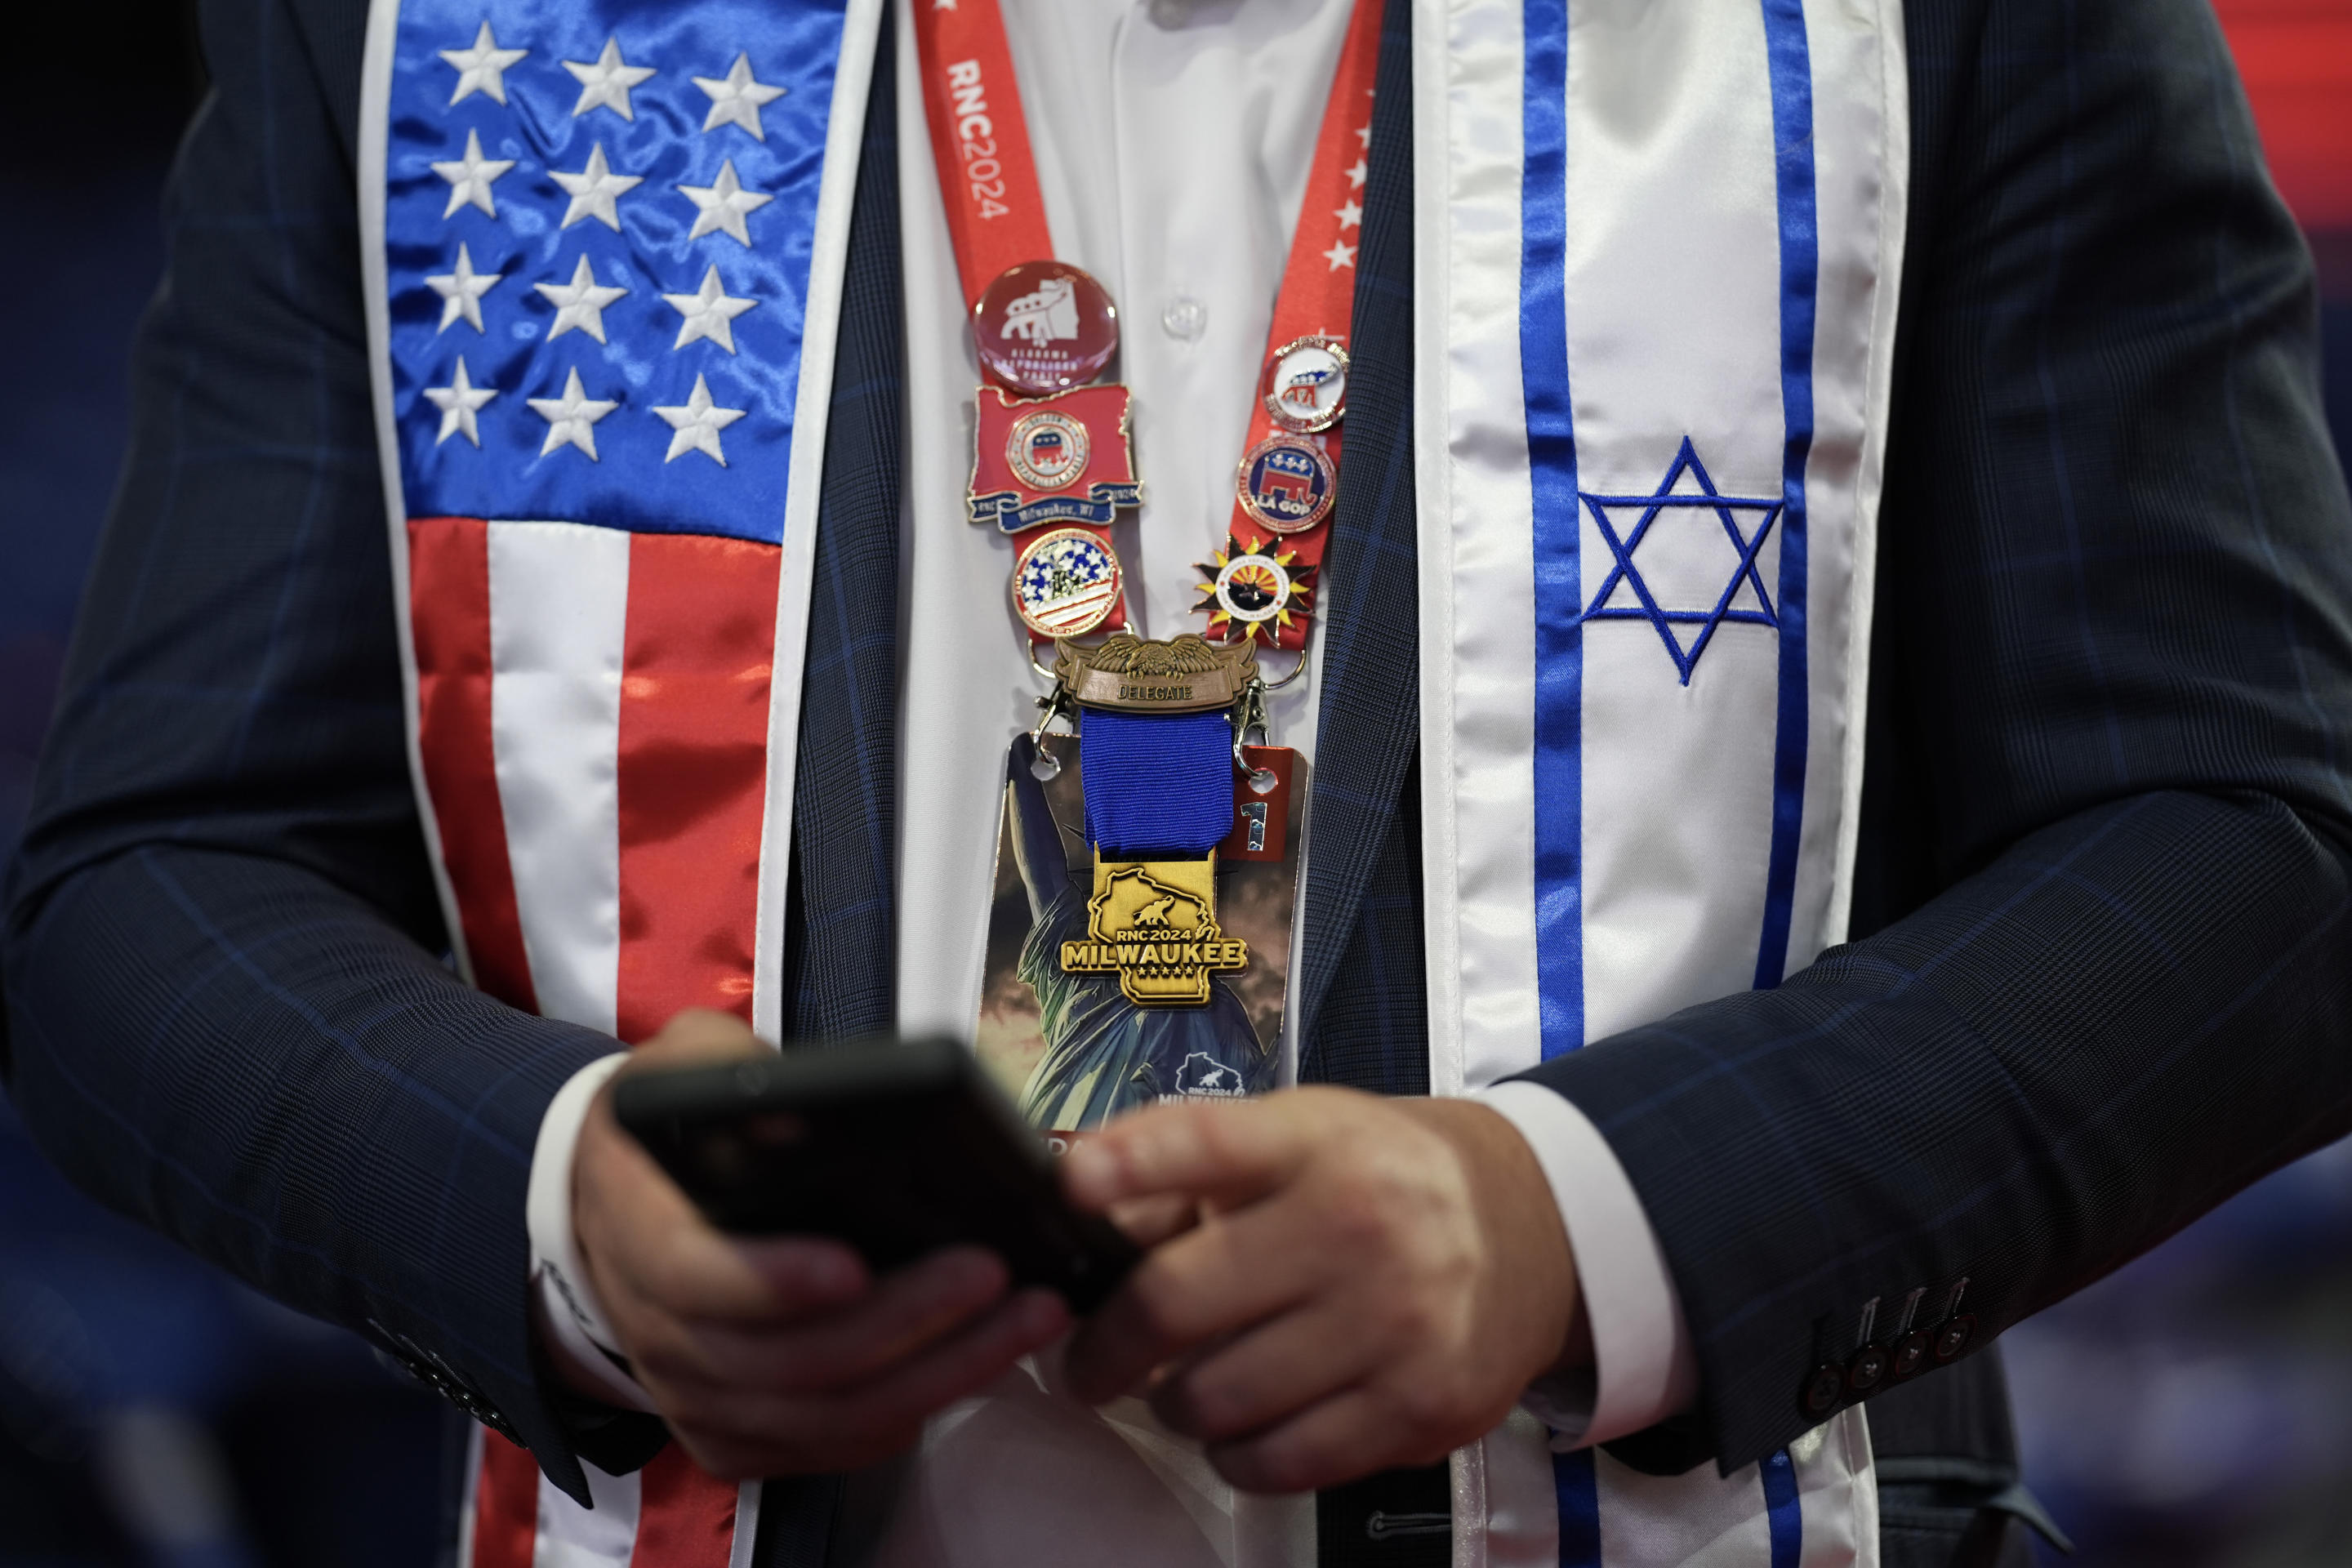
<point x="2108" y="793"/>
<point x="228" y="1014"/>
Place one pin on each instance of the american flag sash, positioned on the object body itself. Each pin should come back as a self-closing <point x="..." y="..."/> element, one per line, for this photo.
<point x="603" y="248"/>
<point x="1658" y="249"/>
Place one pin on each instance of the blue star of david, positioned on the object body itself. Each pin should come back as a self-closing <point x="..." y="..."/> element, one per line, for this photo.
<point x="1625" y="571"/>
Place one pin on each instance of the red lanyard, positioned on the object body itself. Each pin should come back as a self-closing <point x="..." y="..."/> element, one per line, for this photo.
<point x="1259" y="585"/>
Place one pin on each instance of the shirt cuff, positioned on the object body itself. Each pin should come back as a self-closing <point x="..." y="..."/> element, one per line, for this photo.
<point x="567" y="1301"/>
<point x="1645" y="1368"/>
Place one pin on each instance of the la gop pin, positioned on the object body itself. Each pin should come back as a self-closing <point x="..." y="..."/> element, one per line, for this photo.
<point x="1286" y="483"/>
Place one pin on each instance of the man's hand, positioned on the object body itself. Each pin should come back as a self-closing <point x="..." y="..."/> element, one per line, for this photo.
<point x="1372" y="1282"/>
<point x="778" y="1357"/>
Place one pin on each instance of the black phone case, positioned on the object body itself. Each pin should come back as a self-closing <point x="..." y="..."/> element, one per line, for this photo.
<point x="897" y="1148"/>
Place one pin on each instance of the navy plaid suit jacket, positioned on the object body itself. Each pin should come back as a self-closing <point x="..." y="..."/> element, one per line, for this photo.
<point x="2103" y="967"/>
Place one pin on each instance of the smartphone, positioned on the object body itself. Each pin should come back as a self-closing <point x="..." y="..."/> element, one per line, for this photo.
<point x="897" y="1148"/>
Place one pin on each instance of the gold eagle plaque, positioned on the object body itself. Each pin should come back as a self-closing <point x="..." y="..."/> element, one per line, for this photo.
<point x="1186" y="674"/>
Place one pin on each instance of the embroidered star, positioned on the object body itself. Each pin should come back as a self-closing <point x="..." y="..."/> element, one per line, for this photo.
<point x="458" y="402"/>
<point x="469" y="177"/>
<point x="943" y="4"/>
<point x="736" y="98"/>
<point x="605" y="84"/>
<point x="594" y="190"/>
<point x="1356" y="175"/>
<point x="1364" y="134"/>
<point x="1339" y="255"/>
<point x="483" y="67"/>
<point x="1351" y="215"/>
<point x="708" y="313"/>
<point x="1745" y="573"/>
<point x="580" y="304"/>
<point x="723" y="204"/>
<point x="695" y="427"/>
<point x="571" y="418"/>
<point x="461" y="291"/>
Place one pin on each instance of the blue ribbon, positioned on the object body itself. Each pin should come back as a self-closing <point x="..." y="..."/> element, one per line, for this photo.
<point x="1157" y="784"/>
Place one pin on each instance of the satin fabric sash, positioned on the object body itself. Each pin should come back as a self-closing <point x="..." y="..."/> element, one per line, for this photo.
<point x="603" y="248"/>
<point x="1658" y="246"/>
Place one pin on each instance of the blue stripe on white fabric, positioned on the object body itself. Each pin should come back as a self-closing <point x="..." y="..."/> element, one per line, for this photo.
<point x="1559" y="581"/>
<point x="1790" y="65"/>
<point x="1578" y="1489"/>
<point x="1783" y="1517"/>
<point x="628" y="354"/>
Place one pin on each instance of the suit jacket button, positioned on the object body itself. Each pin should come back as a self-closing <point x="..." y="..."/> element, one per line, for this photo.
<point x="1824" y="1389"/>
<point x="1953" y="1337"/>
<point x="1910" y="1355"/>
<point x="1868" y="1370"/>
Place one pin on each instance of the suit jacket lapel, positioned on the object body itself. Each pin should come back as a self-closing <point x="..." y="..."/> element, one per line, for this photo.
<point x="1370" y="720"/>
<point x="840" y="968"/>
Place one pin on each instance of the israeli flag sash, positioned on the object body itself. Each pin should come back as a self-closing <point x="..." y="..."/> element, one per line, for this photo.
<point x="1657" y="251"/>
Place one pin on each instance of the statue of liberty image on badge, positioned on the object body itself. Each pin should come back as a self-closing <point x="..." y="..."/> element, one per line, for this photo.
<point x="1078" y="1048"/>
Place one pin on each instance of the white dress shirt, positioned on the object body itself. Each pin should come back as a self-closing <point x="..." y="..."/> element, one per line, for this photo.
<point x="1173" y="139"/>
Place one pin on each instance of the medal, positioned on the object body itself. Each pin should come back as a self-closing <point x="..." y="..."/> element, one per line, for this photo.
<point x="1306" y="385"/>
<point x="1066" y="584"/>
<point x="1286" y="484"/>
<point x="1046" y="449"/>
<point x="1155" y="739"/>
<point x="1044" y="327"/>
<point x="1064" y="460"/>
<point x="1153" y="923"/>
<point x="1250" y="589"/>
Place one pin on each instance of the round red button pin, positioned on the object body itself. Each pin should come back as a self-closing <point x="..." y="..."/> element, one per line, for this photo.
<point x="1044" y="327"/>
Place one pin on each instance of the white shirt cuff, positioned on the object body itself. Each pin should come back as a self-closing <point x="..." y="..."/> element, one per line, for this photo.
<point x="1644" y="1367"/>
<point x="567" y="1300"/>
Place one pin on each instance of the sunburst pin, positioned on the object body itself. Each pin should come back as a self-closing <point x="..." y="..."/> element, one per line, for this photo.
<point x="1247" y="589"/>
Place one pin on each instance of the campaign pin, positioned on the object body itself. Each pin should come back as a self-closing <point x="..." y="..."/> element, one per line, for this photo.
<point x="1046" y="449"/>
<point x="1286" y="483"/>
<point x="1066" y="584"/>
<point x="1306" y="385"/>
<point x="1044" y="327"/>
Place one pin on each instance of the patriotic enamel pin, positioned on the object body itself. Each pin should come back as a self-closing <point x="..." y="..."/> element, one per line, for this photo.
<point x="1249" y="589"/>
<point x="1062" y="460"/>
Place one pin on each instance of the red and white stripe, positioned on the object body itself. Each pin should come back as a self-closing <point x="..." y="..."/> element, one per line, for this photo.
<point x="592" y="712"/>
<point x="668" y="1515"/>
<point x="592" y="719"/>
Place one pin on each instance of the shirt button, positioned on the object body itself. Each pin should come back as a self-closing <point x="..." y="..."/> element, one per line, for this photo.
<point x="1183" y="317"/>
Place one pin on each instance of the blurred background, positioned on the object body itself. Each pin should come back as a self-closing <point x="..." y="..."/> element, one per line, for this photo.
<point x="2193" y="1411"/>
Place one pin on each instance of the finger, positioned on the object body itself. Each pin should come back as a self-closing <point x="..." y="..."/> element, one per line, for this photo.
<point x="1229" y="1154"/>
<point x="696" y="1033"/>
<point x="969" y="1361"/>
<point x="1225" y="1275"/>
<point x="846" y="1428"/>
<point x="1263" y="1377"/>
<point x="1147" y="1221"/>
<point x="1343" y="1438"/>
<point x="652" y="1247"/>
<point x="904" y="1313"/>
<point x="644" y="1240"/>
